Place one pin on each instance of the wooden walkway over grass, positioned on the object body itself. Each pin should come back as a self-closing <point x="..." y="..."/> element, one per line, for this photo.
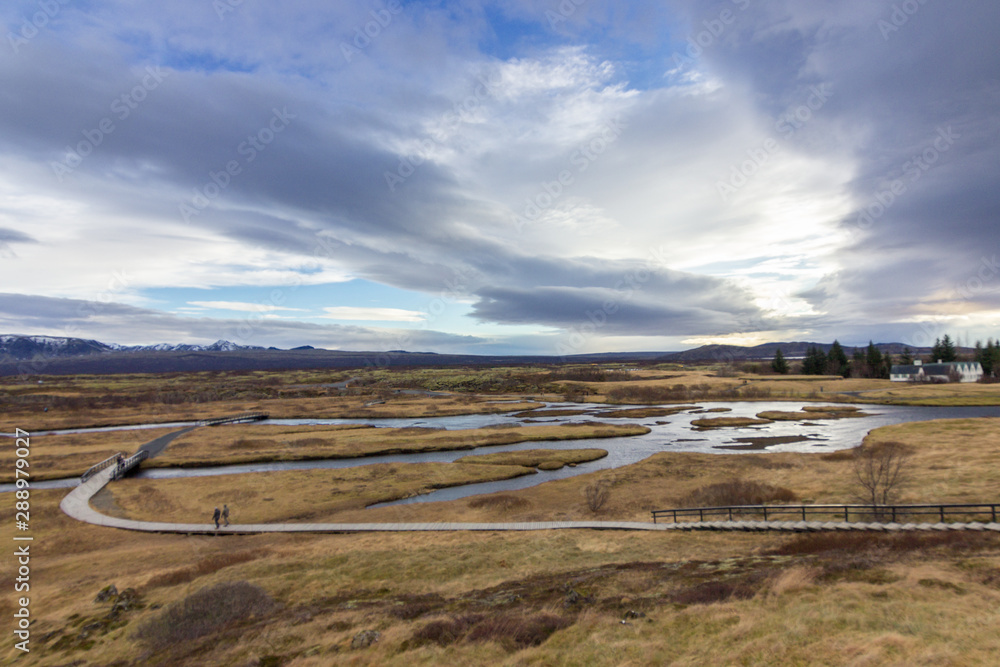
<point x="77" y="505"/>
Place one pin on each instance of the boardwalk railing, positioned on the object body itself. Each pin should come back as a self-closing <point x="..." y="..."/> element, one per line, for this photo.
<point x="130" y="462"/>
<point x="237" y="419"/>
<point x="98" y="467"/>
<point x="124" y="464"/>
<point x="884" y="513"/>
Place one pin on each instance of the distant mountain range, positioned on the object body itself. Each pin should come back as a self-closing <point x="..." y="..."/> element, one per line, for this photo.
<point x="36" y="355"/>
<point x="51" y="355"/>
<point x="15" y="347"/>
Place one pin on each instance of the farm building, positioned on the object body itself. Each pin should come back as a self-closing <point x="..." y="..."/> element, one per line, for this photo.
<point x="960" y="371"/>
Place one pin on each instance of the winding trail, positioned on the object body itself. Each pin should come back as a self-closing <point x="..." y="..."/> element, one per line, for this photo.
<point x="77" y="505"/>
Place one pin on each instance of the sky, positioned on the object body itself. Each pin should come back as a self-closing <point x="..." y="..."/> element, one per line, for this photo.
<point x="500" y="176"/>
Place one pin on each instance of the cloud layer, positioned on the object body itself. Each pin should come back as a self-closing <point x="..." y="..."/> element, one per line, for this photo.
<point x="593" y="176"/>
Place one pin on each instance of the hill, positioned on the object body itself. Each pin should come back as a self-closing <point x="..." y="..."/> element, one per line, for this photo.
<point x="792" y="350"/>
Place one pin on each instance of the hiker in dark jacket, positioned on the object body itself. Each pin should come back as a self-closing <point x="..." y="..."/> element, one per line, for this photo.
<point x="215" y="516"/>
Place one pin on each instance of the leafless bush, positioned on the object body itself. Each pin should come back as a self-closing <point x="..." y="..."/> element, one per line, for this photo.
<point x="880" y="469"/>
<point x="503" y="502"/>
<point x="597" y="495"/>
<point x="516" y="631"/>
<point x="839" y="455"/>
<point x="737" y="492"/>
<point x="509" y="630"/>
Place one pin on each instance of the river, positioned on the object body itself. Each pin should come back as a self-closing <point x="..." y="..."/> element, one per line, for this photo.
<point x="673" y="433"/>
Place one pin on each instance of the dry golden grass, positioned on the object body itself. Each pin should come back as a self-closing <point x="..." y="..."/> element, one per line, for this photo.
<point x="545" y="459"/>
<point x="57" y="456"/>
<point x="720" y="598"/>
<point x="723" y="422"/>
<point x="333" y="406"/>
<point x="247" y="443"/>
<point x="940" y="471"/>
<point x="971" y="393"/>
<point x="69" y="455"/>
<point x="955" y="460"/>
<point x="300" y="496"/>
<point x="810" y="413"/>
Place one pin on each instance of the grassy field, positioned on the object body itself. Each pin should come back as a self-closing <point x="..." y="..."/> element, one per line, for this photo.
<point x="547" y="598"/>
<point x="79" y="401"/>
<point x="550" y="598"/>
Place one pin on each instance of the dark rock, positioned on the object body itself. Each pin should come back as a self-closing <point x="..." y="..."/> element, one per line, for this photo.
<point x="365" y="638"/>
<point x="109" y="592"/>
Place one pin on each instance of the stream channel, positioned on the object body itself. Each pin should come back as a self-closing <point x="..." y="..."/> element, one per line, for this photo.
<point x="673" y="433"/>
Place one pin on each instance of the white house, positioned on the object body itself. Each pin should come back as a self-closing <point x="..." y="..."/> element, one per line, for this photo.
<point x="967" y="371"/>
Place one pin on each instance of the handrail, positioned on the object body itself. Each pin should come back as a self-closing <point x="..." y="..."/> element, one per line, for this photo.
<point x="130" y="463"/>
<point x="244" y="417"/>
<point x="881" y="512"/>
<point x="98" y="467"/>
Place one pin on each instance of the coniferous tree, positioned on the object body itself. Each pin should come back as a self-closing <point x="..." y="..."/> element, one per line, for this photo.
<point x="873" y="361"/>
<point x="948" y="349"/>
<point x="988" y="356"/>
<point x="887" y="365"/>
<point x="859" y="364"/>
<point x="936" y="351"/>
<point x="943" y="350"/>
<point x="906" y="357"/>
<point x="778" y="364"/>
<point x="815" y="361"/>
<point x="837" y="363"/>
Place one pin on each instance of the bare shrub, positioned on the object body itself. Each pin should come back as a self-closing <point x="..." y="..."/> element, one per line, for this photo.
<point x="710" y="592"/>
<point x="737" y="492"/>
<point x="515" y="632"/>
<point x="597" y="495"/>
<point x="729" y="371"/>
<point x="204" y="612"/>
<point x="446" y="631"/>
<point x="509" y="630"/>
<point x="501" y="501"/>
<point x="880" y="469"/>
<point x="841" y="545"/>
<point x="754" y="392"/>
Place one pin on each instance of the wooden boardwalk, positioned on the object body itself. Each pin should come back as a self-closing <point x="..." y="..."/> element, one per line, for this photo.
<point x="77" y="505"/>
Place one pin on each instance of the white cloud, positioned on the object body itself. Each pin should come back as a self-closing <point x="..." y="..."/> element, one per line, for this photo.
<point x="241" y="306"/>
<point x="373" y="314"/>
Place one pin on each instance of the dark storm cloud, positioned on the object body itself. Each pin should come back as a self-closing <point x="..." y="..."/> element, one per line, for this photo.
<point x="167" y="101"/>
<point x="920" y="91"/>
<point x="612" y="312"/>
<point x="14" y="236"/>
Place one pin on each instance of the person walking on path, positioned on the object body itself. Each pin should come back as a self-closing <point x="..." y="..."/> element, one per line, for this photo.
<point x="215" y="516"/>
<point x="225" y="514"/>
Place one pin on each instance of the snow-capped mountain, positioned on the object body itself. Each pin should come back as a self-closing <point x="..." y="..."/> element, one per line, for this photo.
<point x="29" y="347"/>
<point x="13" y="346"/>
